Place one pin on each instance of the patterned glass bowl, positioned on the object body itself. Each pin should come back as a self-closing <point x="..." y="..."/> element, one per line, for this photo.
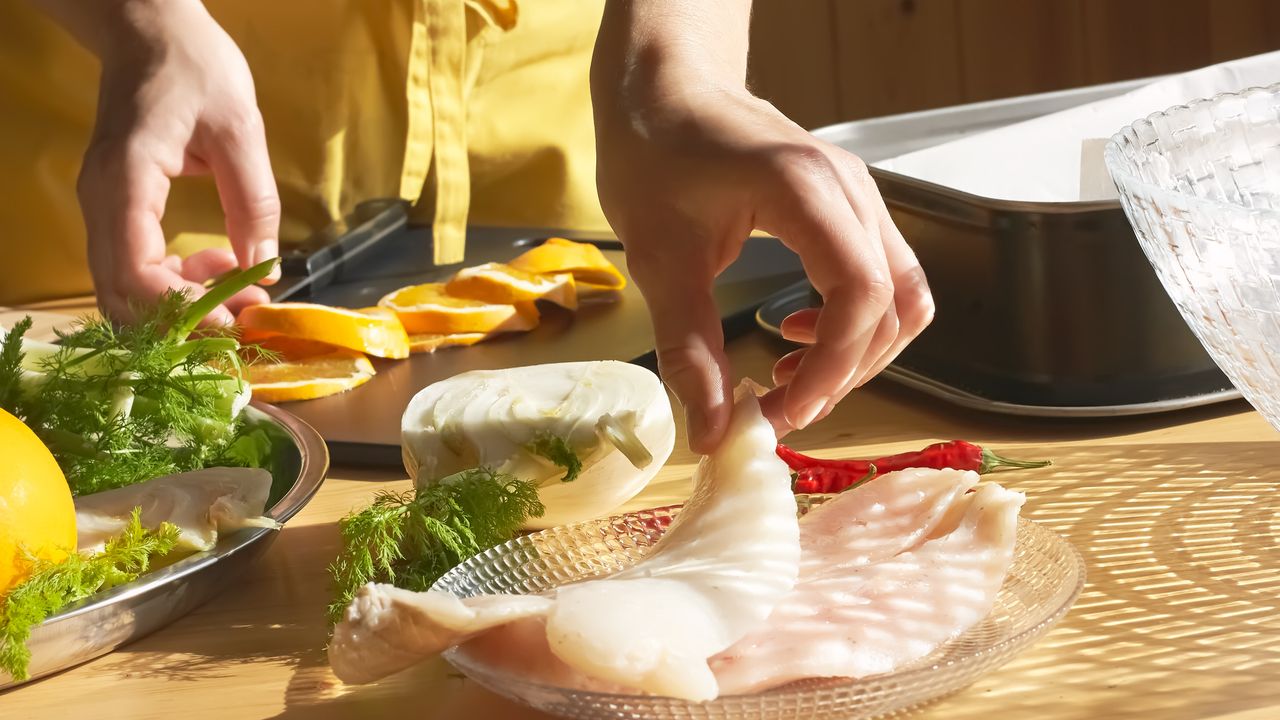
<point x="1200" y="184"/>
<point x="1045" y="579"/>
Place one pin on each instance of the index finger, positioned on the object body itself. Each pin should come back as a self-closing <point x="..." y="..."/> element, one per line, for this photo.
<point x="122" y="197"/>
<point x="847" y="266"/>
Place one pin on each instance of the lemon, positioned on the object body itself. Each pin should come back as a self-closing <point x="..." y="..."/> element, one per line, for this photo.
<point x="37" y="515"/>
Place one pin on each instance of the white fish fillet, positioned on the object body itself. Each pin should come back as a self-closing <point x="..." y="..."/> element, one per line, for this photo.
<point x="717" y="572"/>
<point x="889" y="571"/>
<point x="201" y="503"/>
<point x="387" y="629"/>
<point x="884" y="609"/>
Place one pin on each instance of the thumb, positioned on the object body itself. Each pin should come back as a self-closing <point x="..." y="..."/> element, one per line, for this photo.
<point x="247" y="188"/>
<point x="691" y="358"/>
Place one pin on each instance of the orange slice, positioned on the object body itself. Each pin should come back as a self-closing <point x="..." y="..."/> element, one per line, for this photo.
<point x="503" y="284"/>
<point x="305" y="370"/>
<point x="428" y="309"/>
<point x="379" y="333"/>
<point x="590" y="268"/>
<point x="431" y="342"/>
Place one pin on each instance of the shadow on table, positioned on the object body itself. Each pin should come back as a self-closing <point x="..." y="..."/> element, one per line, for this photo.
<point x="1180" y="618"/>
<point x="1181" y="615"/>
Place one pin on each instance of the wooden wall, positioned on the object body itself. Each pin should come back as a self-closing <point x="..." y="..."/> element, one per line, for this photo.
<point x="823" y="61"/>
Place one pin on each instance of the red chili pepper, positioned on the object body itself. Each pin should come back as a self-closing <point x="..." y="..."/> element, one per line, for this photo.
<point x="829" y="476"/>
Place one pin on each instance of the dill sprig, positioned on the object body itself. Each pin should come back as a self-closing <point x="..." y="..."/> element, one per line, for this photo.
<point x="121" y="404"/>
<point x="411" y="539"/>
<point x="52" y="586"/>
<point x="11" y="365"/>
<point x="556" y="450"/>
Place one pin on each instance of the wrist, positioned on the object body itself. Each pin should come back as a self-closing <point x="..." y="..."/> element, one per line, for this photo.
<point x="141" y="29"/>
<point x="647" y="60"/>
<point x="122" y="28"/>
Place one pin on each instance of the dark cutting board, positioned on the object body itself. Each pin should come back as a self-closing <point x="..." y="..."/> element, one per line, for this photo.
<point x="363" y="426"/>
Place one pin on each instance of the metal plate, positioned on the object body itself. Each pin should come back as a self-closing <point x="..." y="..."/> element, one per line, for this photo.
<point x="770" y="315"/>
<point x="133" y="610"/>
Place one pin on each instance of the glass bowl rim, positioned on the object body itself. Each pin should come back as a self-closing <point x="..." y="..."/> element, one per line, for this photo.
<point x="795" y="690"/>
<point x="1129" y="183"/>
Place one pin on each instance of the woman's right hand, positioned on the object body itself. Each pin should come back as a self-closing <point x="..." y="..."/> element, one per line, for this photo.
<point x="176" y="98"/>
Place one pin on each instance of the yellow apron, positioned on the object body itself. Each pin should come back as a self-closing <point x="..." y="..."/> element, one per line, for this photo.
<point x="472" y="110"/>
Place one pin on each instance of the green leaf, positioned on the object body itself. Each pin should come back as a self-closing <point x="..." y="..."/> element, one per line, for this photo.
<point x="557" y="450"/>
<point x="53" y="586"/>
<point x="412" y="539"/>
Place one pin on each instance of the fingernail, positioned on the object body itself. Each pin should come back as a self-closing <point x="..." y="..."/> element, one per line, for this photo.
<point x="807" y="413"/>
<point x="264" y="251"/>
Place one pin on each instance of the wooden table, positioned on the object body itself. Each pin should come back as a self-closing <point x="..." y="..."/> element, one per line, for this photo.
<point x="1174" y="515"/>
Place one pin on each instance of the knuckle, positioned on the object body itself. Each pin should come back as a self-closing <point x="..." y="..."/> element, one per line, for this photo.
<point x="876" y="290"/>
<point x="805" y="170"/>
<point x="915" y="302"/>
<point x="857" y="168"/>
<point x="263" y="207"/>
<point x="685" y="367"/>
<point x="239" y="124"/>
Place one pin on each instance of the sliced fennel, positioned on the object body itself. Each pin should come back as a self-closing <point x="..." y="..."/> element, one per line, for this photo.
<point x="614" y="418"/>
<point x="119" y="404"/>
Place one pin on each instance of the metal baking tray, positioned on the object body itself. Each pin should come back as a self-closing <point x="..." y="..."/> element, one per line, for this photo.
<point x="131" y="611"/>
<point x="1043" y="308"/>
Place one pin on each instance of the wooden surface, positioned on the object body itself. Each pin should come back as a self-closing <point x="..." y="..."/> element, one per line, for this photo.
<point x="826" y="61"/>
<point x="1175" y="516"/>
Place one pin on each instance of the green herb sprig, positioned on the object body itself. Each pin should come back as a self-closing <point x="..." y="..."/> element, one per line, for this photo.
<point x="53" y="586"/>
<point x="411" y="539"/>
<point x="119" y="405"/>
<point x="556" y="449"/>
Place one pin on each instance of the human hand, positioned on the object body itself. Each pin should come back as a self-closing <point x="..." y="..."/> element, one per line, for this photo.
<point x="685" y="179"/>
<point x="176" y="98"/>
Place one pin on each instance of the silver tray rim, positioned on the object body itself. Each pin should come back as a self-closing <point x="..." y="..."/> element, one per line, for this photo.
<point x="235" y="549"/>
<point x="1037" y="103"/>
<point x="788" y="299"/>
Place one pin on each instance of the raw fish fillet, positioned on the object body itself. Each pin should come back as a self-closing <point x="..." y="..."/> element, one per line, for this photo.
<point x="202" y="503"/>
<point x="388" y="629"/>
<point x="859" y="615"/>
<point x="717" y="572"/>
<point x="889" y="571"/>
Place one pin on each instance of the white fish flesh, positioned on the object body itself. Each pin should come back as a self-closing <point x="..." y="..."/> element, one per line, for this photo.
<point x="729" y="557"/>
<point x="889" y="571"/>
<point x="916" y="563"/>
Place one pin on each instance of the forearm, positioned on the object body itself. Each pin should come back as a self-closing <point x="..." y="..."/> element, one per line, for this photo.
<point x="648" y="50"/>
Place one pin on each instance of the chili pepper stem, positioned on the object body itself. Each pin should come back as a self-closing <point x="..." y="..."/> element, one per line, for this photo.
<point x="992" y="462"/>
<point x="871" y="473"/>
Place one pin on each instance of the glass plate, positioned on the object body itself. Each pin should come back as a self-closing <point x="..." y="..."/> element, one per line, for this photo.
<point x="1046" y="577"/>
